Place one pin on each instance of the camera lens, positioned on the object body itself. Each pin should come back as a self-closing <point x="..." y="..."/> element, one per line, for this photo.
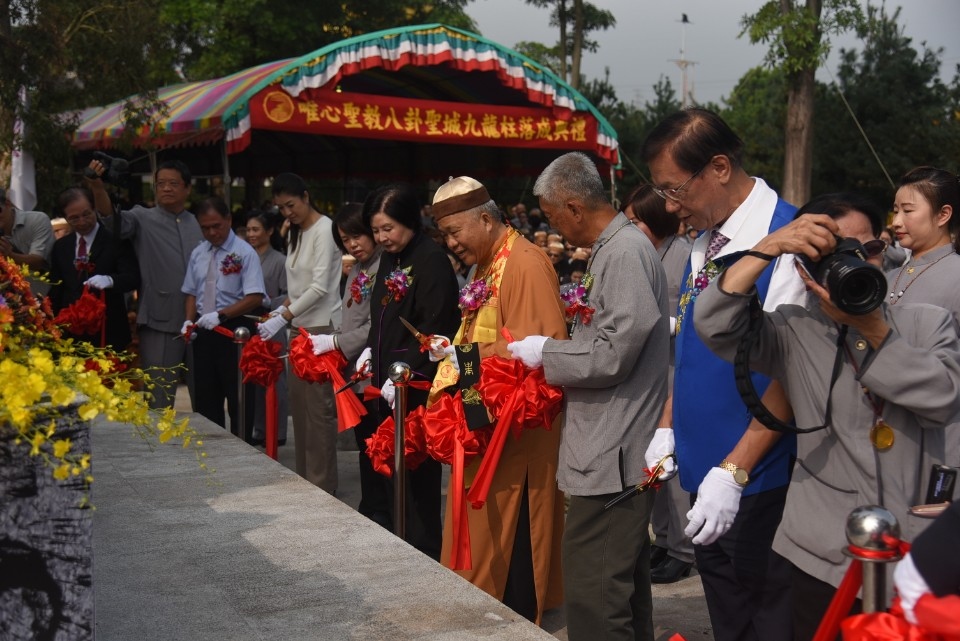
<point x="855" y="287"/>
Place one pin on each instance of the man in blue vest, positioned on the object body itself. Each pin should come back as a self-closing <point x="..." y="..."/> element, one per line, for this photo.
<point x="737" y="473"/>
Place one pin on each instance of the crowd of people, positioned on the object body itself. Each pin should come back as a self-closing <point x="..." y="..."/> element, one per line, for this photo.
<point x="636" y="311"/>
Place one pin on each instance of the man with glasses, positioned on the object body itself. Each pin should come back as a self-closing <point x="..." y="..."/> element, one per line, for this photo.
<point x="164" y="237"/>
<point x="737" y="476"/>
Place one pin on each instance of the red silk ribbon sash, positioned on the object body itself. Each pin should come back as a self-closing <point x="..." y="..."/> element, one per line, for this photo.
<point x="326" y="368"/>
<point x="85" y="316"/>
<point x="260" y="364"/>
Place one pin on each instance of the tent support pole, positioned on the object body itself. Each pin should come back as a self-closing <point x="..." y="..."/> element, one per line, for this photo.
<point x="226" y="172"/>
<point x="613" y="184"/>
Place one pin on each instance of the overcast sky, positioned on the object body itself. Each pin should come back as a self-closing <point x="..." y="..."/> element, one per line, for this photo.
<point x="648" y="35"/>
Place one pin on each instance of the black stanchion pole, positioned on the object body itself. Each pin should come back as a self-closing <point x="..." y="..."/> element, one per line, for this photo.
<point x="399" y="373"/>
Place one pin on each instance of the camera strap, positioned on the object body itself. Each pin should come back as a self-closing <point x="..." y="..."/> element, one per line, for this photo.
<point x="747" y="390"/>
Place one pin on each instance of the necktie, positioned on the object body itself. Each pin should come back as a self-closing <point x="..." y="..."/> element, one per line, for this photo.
<point x="717" y="242"/>
<point x="82" y="248"/>
<point x="210" y="284"/>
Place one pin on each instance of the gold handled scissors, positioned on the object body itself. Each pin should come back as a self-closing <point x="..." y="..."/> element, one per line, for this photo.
<point x="652" y="481"/>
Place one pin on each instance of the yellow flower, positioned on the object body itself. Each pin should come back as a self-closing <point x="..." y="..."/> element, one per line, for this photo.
<point x="61" y="472"/>
<point x="61" y="447"/>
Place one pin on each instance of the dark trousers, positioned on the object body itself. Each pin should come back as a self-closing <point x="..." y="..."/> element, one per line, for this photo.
<point x="215" y="374"/>
<point x="520" y="591"/>
<point x="746" y="584"/>
<point x="811" y="598"/>
<point x="606" y="569"/>
<point x="376" y="491"/>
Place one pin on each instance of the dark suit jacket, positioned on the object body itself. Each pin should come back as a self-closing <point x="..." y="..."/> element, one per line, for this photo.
<point x="111" y="256"/>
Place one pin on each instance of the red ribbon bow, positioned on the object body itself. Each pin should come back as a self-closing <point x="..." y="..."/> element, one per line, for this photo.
<point x="260" y="363"/>
<point x="585" y="312"/>
<point x="322" y="369"/>
<point x="380" y="446"/>
<point x="520" y="398"/>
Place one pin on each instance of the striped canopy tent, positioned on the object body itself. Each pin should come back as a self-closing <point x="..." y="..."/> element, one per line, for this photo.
<point x="410" y="103"/>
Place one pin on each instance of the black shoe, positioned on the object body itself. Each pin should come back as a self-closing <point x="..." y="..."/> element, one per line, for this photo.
<point x="670" y="571"/>
<point x="657" y="555"/>
<point x="256" y="442"/>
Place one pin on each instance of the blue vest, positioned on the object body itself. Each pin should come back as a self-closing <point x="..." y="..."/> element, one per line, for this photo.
<point x="708" y="416"/>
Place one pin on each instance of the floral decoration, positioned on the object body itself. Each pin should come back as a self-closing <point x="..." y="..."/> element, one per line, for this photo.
<point x="42" y="374"/>
<point x="576" y="301"/>
<point x="84" y="265"/>
<point x="361" y="287"/>
<point x="474" y="294"/>
<point x="398" y="282"/>
<point x="696" y="283"/>
<point x="231" y="264"/>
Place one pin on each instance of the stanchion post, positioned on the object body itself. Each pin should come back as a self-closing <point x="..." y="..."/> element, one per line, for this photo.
<point x="399" y="373"/>
<point x="240" y="336"/>
<point x="873" y="533"/>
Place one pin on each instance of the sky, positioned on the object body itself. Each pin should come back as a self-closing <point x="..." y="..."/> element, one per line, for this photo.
<point x="648" y="36"/>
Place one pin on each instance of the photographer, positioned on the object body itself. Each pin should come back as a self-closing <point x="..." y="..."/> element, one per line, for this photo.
<point x="883" y="383"/>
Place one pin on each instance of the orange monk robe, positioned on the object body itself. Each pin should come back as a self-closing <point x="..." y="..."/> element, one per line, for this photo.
<point x="529" y="304"/>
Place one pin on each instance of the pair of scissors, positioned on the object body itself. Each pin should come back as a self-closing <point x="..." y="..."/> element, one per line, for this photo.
<point x="364" y="372"/>
<point x="650" y="482"/>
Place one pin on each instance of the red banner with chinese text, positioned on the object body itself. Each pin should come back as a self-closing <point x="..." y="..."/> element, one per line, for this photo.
<point x="374" y="116"/>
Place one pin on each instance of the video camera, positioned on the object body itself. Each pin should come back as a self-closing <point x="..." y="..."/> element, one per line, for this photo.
<point x="115" y="169"/>
<point x="855" y="286"/>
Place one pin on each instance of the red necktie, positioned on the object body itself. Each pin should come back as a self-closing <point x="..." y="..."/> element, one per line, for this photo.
<point x="82" y="248"/>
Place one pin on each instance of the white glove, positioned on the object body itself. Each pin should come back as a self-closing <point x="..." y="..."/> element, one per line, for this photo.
<point x="910" y="586"/>
<point x="529" y="350"/>
<point x="271" y="327"/>
<point x="322" y="343"/>
<point x="365" y="355"/>
<point x="718" y="499"/>
<point x="279" y="310"/>
<point x="388" y="392"/>
<point x="187" y="330"/>
<point x="661" y="446"/>
<point x="208" y="320"/>
<point x="99" y="281"/>
<point x="440" y="348"/>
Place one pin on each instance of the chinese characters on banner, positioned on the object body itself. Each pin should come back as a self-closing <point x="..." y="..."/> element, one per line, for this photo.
<point x="374" y="116"/>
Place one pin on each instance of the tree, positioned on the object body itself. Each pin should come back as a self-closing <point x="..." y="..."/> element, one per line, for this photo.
<point x="756" y="110"/>
<point x="67" y="55"/>
<point x="575" y="19"/>
<point x="218" y="37"/>
<point x="895" y="93"/>
<point x="798" y="35"/>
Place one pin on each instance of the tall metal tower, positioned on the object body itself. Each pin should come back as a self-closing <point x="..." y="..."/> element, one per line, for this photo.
<point x="686" y="96"/>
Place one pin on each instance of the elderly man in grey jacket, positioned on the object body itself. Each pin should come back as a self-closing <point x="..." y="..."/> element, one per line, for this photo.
<point x="614" y="375"/>
<point x="897" y="387"/>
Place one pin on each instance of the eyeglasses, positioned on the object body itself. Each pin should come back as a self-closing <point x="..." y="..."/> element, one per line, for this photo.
<point x="676" y="193"/>
<point x="874" y="247"/>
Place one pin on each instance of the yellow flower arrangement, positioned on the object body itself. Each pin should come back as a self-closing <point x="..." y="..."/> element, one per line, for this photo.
<point x="42" y="374"/>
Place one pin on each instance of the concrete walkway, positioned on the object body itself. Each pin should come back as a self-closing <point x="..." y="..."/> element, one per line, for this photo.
<point x="254" y="552"/>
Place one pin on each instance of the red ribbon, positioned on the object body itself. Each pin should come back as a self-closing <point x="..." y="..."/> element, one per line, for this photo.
<point x="323" y="369"/>
<point x="85" y="316"/>
<point x="380" y="446"/>
<point x="585" y="312"/>
<point x="260" y="364"/>
<point x="846" y="594"/>
<point x="938" y="619"/>
<point x="520" y="398"/>
<point x="451" y="442"/>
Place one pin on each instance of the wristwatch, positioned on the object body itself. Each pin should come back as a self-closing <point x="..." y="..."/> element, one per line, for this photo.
<point x="740" y="476"/>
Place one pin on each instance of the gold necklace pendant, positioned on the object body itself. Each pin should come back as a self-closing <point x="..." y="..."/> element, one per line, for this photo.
<point x="882" y="436"/>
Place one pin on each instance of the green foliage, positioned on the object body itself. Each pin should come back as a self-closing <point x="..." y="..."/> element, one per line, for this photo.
<point x="896" y="94"/>
<point x="562" y="15"/>
<point x="756" y="110"/>
<point x="549" y="57"/>
<point x="795" y="32"/>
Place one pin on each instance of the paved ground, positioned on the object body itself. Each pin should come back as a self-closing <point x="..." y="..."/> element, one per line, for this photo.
<point x="678" y="607"/>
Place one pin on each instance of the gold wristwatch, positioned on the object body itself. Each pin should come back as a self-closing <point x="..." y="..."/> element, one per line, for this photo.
<point x="740" y="476"/>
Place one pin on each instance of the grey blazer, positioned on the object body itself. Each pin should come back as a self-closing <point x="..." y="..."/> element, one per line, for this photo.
<point x="613" y="370"/>
<point x="916" y="372"/>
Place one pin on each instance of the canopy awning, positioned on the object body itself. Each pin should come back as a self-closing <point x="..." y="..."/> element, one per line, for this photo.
<point x="429" y="84"/>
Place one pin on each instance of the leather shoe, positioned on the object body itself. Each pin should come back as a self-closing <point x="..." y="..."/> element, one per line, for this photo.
<point x="658" y="555"/>
<point x="670" y="571"/>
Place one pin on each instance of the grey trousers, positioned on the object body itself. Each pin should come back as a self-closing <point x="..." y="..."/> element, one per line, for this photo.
<point x="314" y="428"/>
<point x="162" y="358"/>
<point x="606" y="569"/>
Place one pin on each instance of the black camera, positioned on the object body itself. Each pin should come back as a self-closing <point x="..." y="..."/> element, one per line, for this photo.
<point x="115" y="169"/>
<point x="855" y="286"/>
